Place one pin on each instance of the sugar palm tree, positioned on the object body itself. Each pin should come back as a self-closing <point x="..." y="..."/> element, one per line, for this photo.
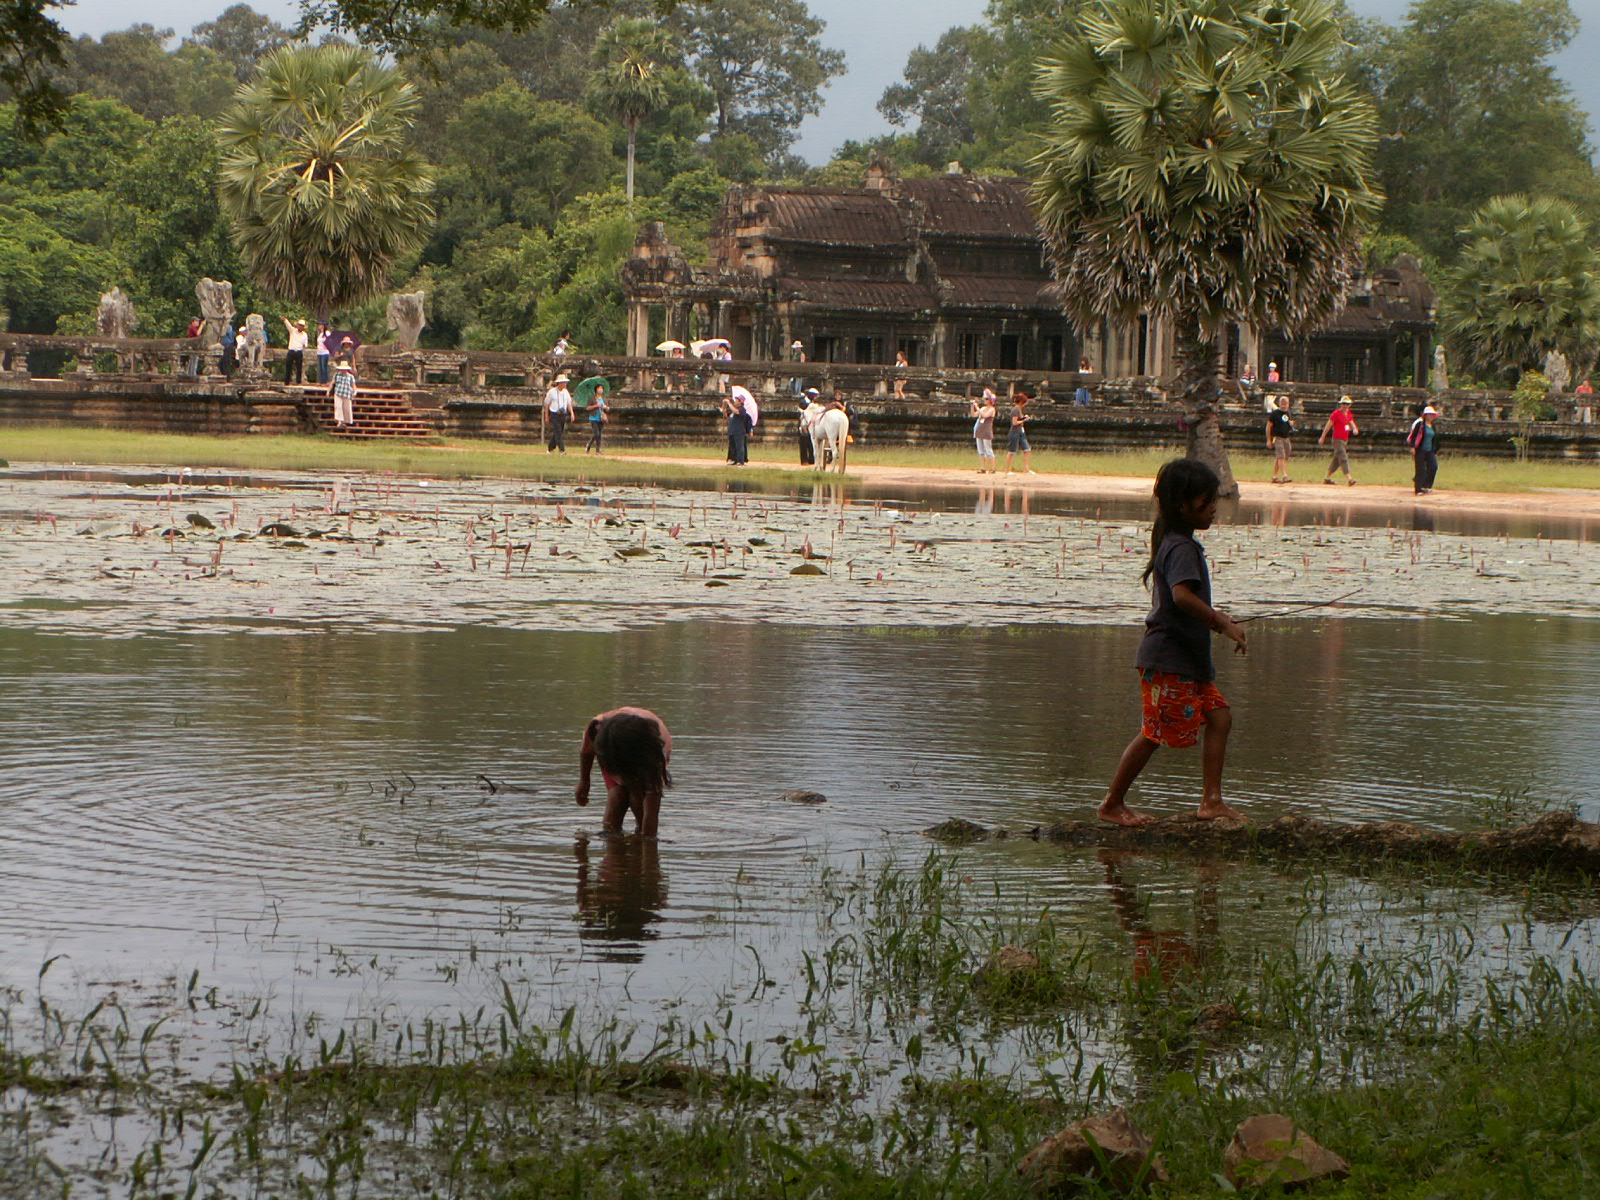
<point x="630" y="55"/>
<point x="316" y="177"/>
<point x="1204" y="163"/>
<point x="1527" y="283"/>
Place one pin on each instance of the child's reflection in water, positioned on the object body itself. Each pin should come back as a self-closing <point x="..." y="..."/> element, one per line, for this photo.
<point x="1167" y="957"/>
<point x="620" y="899"/>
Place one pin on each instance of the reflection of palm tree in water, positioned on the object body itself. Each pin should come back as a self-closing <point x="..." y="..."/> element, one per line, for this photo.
<point x="1166" y="956"/>
<point x="625" y="894"/>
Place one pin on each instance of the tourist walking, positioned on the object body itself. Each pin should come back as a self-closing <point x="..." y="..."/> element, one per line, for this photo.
<point x="1176" y="675"/>
<point x="1017" y="435"/>
<point x="294" y="358"/>
<point x="557" y="412"/>
<point x="343" y="391"/>
<point x="1082" y="396"/>
<point x="1280" y="434"/>
<point x="900" y="360"/>
<point x="191" y="362"/>
<point x="633" y="747"/>
<point x="230" y="350"/>
<point x="810" y="410"/>
<point x="739" y="407"/>
<point x="1423" y="439"/>
<point x="983" y="430"/>
<point x="1341" y="424"/>
<point x="591" y="396"/>
<point x="324" y="351"/>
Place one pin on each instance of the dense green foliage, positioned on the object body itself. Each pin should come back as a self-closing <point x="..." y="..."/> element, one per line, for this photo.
<point x="1205" y="163"/>
<point x="523" y="125"/>
<point x="31" y="44"/>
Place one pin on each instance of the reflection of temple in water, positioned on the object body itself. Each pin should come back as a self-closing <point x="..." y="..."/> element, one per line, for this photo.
<point x="951" y="271"/>
<point x="621" y="899"/>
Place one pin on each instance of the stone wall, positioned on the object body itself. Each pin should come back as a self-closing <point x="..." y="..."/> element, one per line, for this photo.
<point x="498" y="395"/>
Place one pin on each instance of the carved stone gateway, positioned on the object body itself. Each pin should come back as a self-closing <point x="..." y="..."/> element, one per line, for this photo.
<point x="116" y="317"/>
<point x="407" y="318"/>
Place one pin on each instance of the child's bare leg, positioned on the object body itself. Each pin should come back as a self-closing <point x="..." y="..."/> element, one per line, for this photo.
<point x="1219" y="721"/>
<point x="649" y="813"/>
<point x="1114" y="808"/>
<point x="616" y="806"/>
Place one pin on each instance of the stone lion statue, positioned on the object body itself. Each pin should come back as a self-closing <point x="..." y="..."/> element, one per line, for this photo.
<point x="116" y="317"/>
<point x="255" y="343"/>
<point x="406" y="318"/>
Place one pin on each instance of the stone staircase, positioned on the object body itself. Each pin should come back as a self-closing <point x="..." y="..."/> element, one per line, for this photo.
<point x="379" y="413"/>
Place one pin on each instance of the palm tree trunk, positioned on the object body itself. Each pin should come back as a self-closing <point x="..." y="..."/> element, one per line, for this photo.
<point x="1195" y="386"/>
<point x="633" y="133"/>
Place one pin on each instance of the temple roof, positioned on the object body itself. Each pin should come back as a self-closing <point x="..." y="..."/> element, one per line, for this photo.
<point x="975" y="206"/>
<point x="824" y="215"/>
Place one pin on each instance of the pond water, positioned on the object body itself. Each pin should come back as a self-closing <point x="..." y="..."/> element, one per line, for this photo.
<point x="328" y="772"/>
<point x="272" y="810"/>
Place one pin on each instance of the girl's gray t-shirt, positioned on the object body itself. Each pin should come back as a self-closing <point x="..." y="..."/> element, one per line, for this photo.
<point x="1174" y="642"/>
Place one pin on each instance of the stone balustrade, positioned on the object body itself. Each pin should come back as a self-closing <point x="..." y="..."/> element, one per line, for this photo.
<point x="441" y="377"/>
<point x="130" y="358"/>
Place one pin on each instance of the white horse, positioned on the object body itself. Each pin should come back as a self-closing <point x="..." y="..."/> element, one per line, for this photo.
<point x="830" y="431"/>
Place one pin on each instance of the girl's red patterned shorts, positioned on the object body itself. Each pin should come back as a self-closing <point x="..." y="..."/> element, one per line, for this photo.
<point x="1175" y="707"/>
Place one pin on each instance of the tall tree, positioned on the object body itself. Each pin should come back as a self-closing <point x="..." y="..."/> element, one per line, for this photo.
<point x="514" y="159"/>
<point x="763" y="61"/>
<point x="417" y="26"/>
<point x="1205" y="163"/>
<point x="1470" y="107"/>
<point x="133" y="66"/>
<point x="935" y="93"/>
<point x="317" y="179"/>
<point x="1527" y="283"/>
<point x="241" y="37"/>
<point x="630" y="57"/>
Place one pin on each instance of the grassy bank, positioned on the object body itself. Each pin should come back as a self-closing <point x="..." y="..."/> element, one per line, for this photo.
<point x="466" y="458"/>
<point x="907" y="1066"/>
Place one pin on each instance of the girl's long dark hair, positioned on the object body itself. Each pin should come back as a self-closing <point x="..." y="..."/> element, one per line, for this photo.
<point x="631" y="748"/>
<point x="1178" y="484"/>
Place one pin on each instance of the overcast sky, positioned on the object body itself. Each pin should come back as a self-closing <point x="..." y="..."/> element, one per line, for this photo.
<point x="876" y="37"/>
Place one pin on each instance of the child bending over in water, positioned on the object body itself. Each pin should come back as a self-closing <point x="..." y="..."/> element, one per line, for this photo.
<point x="633" y="746"/>
<point x="1174" y="660"/>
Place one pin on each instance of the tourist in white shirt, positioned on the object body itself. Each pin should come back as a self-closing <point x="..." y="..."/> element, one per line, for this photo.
<point x="558" y="411"/>
<point x="294" y="362"/>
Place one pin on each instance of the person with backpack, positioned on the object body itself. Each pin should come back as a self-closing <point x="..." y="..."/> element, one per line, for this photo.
<point x="1280" y="435"/>
<point x="1423" y="439"/>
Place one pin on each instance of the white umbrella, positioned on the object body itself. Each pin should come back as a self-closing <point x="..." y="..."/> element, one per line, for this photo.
<point x="670" y="345"/>
<point x="700" y="346"/>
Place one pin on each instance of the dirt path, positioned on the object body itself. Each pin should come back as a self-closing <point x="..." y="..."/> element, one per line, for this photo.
<point x="1576" y="503"/>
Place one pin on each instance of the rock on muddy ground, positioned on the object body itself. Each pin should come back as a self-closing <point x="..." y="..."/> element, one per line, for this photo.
<point x="1557" y="841"/>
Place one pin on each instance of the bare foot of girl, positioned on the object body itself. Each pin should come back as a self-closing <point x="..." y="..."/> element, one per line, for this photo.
<point x="1117" y="812"/>
<point x="1213" y="810"/>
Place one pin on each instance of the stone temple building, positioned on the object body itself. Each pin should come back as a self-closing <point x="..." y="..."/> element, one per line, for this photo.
<point x="951" y="270"/>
